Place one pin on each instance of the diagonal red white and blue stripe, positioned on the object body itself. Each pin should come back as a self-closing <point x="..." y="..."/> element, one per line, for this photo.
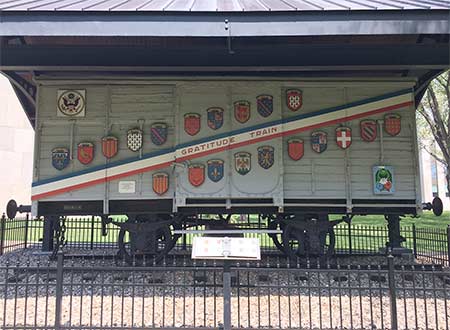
<point x="218" y="143"/>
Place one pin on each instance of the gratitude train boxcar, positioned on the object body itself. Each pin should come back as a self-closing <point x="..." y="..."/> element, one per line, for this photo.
<point x="164" y="150"/>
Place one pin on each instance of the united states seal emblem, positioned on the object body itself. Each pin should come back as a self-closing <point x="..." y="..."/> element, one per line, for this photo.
<point x="319" y="141"/>
<point x="242" y="111"/>
<point x="264" y="105"/>
<point x="294" y="99"/>
<point x="134" y="139"/>
<point x="71" y="103"/>
<point x="215" y="169"/>
<point x="266" y="156"/>
<point x="215" y="118"/>
<point x="60" y="158"/>
<point x="242" y="162"/>
<point x="158" y="133"/>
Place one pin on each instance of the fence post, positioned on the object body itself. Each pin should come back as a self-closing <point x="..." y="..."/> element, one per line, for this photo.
<point x="92" y="232"/>
<point x="392" y="292"/>
<point x="350" y="247"/>
<point x="448" y="245"/>
<point x="27" y="218"/>
<point x="2" y="233"/>
<point x="414" y="240"/>
<point x="226" y="295"/>
<point x="59" y="289"/>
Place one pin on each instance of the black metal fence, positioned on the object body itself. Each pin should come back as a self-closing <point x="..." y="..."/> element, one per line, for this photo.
<point x="427" y="244"/>
<point x="94" y="294"/>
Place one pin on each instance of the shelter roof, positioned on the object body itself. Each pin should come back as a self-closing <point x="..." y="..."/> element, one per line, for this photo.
<point x="220" y="5"/>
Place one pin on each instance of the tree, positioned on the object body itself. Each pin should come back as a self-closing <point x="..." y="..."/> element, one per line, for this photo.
<point x="433" y="122"/>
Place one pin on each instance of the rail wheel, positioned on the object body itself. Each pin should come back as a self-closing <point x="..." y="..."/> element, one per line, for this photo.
<point x="299" y="240"/>
<point x="146" y="239"/>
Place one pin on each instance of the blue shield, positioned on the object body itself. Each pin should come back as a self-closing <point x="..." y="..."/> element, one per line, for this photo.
<point x="266" y="157"/>
<point x="60" y="158"/>
<point x="215" y="118"/>
<point x="264" y="105"/>
<point x="319" y="141"/>
<point x="158" y="133"/>
<point x="215" y="169"/>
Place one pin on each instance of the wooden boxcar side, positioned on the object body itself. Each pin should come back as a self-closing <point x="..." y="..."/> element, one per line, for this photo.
<point x="339" y="180"/>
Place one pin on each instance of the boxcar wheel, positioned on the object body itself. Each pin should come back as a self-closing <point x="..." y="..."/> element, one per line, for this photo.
<point x="298" y="242"/>
<point x="149" y="246"/>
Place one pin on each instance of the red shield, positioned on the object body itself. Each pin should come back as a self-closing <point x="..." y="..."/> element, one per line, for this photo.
<point x="343" y="137"/>
<point x="85" y="152"/>
<point x="296" y="149"/>
<point x="192" y="123"/>
<point x="196" y="174"/>
<point x="160" y="183"/>
<point x="242" y="111"/>
<point x="109" y="146"/>
<point x="294" y="99"/>
<point x="392" y="124"/>
<point x="368" y="130"/>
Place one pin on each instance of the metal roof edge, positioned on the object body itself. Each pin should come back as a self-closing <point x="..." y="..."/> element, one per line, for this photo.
<point x="197" y="24"/>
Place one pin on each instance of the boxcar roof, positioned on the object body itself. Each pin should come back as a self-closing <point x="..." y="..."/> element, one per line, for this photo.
<point x="220" y="5"/>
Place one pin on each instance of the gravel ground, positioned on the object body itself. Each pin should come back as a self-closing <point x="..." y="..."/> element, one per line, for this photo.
<point x="263" y="298"/>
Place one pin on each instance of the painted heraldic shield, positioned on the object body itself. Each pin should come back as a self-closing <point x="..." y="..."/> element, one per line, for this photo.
<point x="264" y="105"/>
<point x="296" y="149"/>
<point x="109" y="146"/>
<point x="60" y="158"/>
<point x="85" y="152"/>
<point x="343" y="137"/>
<point x="242" y="111"/>
<point x="266" y="156"/>
<point x="392" y="124"/>
<point x="294" y="99"/>
<point x="368" y="130"/>
<point x="192" y="123"/>
<point x="215" y="169"/>
<point x="242" y="162"/>
<point x="196" y="174"/>
<point x="134" y="139"/>
<point x="158" y="133"/>
<point x="160" y="183"/>
<point x="215" y="118"/>
<point x="319" y="141"/>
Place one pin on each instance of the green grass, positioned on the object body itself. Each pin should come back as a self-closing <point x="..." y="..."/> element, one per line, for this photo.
<point x="426" y="220"/>
<point x="80" y="231"/>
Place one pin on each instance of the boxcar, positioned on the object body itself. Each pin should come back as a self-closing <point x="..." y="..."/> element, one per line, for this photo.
<point x="163" y="151"/>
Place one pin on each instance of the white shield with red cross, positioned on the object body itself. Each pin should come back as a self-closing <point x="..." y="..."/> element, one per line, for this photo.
<point x="343" y="137"/>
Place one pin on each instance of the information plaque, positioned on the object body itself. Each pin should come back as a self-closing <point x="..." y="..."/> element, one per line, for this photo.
<point x="226" y="248"/>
